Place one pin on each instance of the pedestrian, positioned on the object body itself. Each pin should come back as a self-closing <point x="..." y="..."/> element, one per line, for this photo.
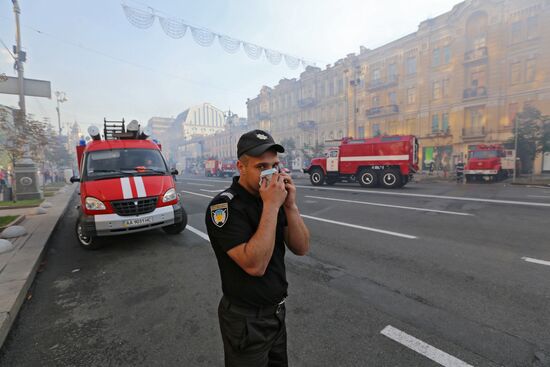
<point x="459" y="168"/>
<point x="249" y="225"/>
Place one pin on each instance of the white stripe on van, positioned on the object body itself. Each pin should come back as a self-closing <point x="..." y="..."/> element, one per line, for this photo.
<point x="140" y="187"/>
<point x="126" y="188"/>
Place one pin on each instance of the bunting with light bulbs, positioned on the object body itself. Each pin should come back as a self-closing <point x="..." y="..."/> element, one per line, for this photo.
<point x="177" y="28"/>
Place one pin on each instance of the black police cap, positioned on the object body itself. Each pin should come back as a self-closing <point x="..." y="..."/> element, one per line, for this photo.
<point x="256" y="142"/>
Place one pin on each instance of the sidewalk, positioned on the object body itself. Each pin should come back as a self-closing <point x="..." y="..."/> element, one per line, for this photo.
<point x="18" y="267"/>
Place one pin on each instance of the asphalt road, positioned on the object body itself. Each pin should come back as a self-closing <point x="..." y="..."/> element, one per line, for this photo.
<point x="452" y="272"/>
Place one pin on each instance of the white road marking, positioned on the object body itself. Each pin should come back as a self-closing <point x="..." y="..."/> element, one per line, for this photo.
<point x="361" y="227"/>
<point x="198" y="233"/>
<point x="335" y="222"/>
<point x="198" y="184"/>
<point x="389" y="206"/>
<point x="195" y="193"/>
<point x="126" y="188"/>
<point x="205" y="180"/>
<point x="138" y="181"/>
<point x="211" y="190"/>
<point x="528" y="203"/>
<point x="536" y="261"/>
<point x="423" y="348"/>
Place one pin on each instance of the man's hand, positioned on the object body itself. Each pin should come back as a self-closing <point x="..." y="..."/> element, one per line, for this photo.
<point x="290" y="201"/>
<point x="274" y="192"/>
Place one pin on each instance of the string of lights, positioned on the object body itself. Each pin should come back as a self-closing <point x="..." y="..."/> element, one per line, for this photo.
<point x="177" y="28"/>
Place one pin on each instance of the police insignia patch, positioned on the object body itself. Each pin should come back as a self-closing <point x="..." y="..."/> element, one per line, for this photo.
<point x="219" y="214"/>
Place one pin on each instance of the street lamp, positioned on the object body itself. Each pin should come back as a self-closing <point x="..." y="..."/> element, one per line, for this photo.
<point x="61" y="98"/>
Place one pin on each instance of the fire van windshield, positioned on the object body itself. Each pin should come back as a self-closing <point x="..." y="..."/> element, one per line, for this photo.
<point x="123" y="162"/>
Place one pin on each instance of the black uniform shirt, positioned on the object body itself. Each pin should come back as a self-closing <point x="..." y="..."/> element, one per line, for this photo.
<point x="232" y="218"/>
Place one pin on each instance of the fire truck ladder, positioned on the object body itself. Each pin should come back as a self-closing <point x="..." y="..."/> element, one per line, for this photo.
<point x="112" y="128"/>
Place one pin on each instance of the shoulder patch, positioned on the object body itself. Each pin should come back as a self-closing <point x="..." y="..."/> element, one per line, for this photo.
<point x="219" y="214"/>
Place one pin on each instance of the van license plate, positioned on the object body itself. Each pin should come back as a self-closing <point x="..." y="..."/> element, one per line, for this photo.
<point x="137" y="222"/>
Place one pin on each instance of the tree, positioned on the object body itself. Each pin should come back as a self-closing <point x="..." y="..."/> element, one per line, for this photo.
<point x="533" y="136"/>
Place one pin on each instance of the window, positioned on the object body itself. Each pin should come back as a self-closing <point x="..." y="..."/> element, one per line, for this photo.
<point x="446" y="54"/>
<point x="375" y="101"/>
<point x="411" y="65"/>
<point x="516" y="32"/>
<point x="392" y="72"/>
<point x="376" y="75"/>
<point x="436" y="89"/>
<point x="340" y="85"/>
<point x="446" y="87"/>
<point x="532" y="27"/>
<point x="435" y="57"/>
<point x="375" y="129"/>
<point x="392" y="97"/>
<point x="411" y="95"/>
<point x="360" y="132"/>
<point x="530" y="70"/>
<point x="477" y="78"/>
<point x="515" y="73"/>
<point x="445" y="121"/>
<point x="435" y="123"/>
<point x="330" y="88"/>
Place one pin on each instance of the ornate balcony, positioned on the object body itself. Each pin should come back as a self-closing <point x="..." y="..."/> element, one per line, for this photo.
<point x="479" y="54"/>
<point x="383" y="111"/>
<point x="473" y="132"/>
<point x="391" y="81"/>
<point x="474" y="93"/>
<point x="306" y="102"/>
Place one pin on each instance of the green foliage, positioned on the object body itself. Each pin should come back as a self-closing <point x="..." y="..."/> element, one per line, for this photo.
<point x="533" y="136"/>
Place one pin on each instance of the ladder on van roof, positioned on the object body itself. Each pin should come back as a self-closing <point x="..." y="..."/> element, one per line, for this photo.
<point x="112" y="128"/>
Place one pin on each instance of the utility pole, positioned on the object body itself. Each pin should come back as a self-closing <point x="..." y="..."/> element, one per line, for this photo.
<point x="60" y="96"/>
<point x="19" y="62"/>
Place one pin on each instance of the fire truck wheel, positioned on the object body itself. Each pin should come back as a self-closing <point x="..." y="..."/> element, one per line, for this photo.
<point x="391" y="179"/>
<point x="368" y="178"/>
<point x="176" y="228"/>
<point x="87" y="242"/>
<point x="317" y="177"/>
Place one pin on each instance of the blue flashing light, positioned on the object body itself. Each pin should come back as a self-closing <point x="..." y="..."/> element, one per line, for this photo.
<point x="82" y="142"/>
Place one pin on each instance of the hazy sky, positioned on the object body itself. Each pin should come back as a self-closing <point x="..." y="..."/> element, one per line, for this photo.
<point x="109" y="68"/>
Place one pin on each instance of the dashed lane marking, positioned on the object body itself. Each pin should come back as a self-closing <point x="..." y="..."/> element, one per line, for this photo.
<point x="494" y="201"/>
<point x="211" y="190"/>
<point x="198" y="233"/>
<point x="199" y="184"/>
<point x="536" y="261"/>
<point x="423" y="348"/>
<point x="397" y="234"/>
<point x="389" y="206"/>
<point x="402" y="235"/>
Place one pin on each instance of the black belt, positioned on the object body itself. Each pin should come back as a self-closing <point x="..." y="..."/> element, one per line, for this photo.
<point x="253" y="311"/>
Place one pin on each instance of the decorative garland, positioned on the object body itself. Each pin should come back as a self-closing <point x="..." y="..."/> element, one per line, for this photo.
<point x="177" y="28"/>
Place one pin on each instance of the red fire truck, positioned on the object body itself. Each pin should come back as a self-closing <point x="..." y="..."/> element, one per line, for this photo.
<point x="489" y="163"/>
<point x="125" y="186"/>
<point x="388" y="161"/>
<point x="214" y="167"/>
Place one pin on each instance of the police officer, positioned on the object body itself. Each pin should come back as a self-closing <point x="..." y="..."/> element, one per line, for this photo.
<point x="250" y="224"/>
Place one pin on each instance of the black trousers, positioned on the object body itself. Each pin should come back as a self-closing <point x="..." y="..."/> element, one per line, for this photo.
<point x="253" y="338"/>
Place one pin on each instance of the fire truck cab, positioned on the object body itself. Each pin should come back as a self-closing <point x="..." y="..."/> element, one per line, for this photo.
<point x="125" y="186"/>
<point x="489" y="163"/>
<point x="388" y="161"/>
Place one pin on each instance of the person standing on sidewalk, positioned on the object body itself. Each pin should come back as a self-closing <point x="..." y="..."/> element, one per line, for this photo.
<point x="459" y="168"/>
<point x="249" y="225"/>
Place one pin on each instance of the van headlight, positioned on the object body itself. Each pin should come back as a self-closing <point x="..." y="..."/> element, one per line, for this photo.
<point x="170" y="195"/>
<point x="94" y="204"/>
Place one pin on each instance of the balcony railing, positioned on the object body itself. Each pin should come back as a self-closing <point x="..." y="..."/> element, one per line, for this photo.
<point x="474" y="132"/>
<point x="263" y="116"/>
<point x="473" y="93"/>
<point x="380" y="83"/>
<point x="308" y="125"/>
<point x="383" y="110"/>
<point x="476" y="55"/>
<point x="306" y="102"/>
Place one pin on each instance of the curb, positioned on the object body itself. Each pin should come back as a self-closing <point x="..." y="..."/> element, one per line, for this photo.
<point x="18" y="207"/>
<point x="21" y="281"/>
<point x="16" y="221"/>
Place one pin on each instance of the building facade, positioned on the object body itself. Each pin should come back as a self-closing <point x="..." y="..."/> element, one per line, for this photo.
<point x="203" y="119"/>
<point x="456" y="82"/>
